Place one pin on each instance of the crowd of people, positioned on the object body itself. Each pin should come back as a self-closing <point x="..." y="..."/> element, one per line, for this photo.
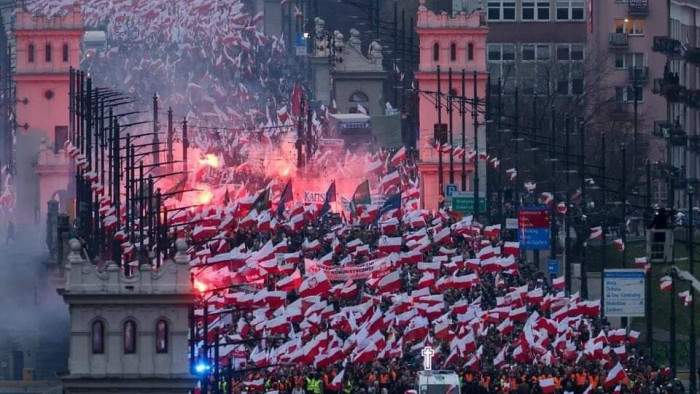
<point x="444" y="281"/>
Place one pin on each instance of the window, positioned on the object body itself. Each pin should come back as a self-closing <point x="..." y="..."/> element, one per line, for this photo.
<point x="570" y="10"/>
<point x="359" y="97"/>
<point x="129" y="337"/>
<point x="566" y="52"/>
<point x="98" y="337"/>
<point x="531" y="52"/>
<point x="161" y="336"/>
<point x="627" y="60"/>
<point x="501" y="10"/>
<point x="634" y="27"/>
<point x="532" y="10"/>
<point x="48" y="53"/>
<point x="470" y="51"/>
<point x="60" y="137"/>
<point x="501" y="51"/>
<point x="65" y="52"/>
<point x="30" y="53"/>
<point x="436" y="52"/>
<point x="453" y="52"/>
<point x="625" y="94"/>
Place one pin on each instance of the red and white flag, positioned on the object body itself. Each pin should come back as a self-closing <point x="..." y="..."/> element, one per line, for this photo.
<point x="616" y="375"/>
<point x="292" y="282"/>
<point x="666" y="283"/>
<point x="619" y="244"/>
<point x="315" y="285"/>
<point x="399" y="156"/>
<point x="547" y="385"/>
<point x="596" y="233"/>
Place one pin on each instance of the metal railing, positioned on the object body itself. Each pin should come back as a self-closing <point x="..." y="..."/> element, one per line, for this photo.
<point x="619" y="40"/>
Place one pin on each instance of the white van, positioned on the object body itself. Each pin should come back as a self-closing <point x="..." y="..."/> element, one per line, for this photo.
<point x="438" y="382"/>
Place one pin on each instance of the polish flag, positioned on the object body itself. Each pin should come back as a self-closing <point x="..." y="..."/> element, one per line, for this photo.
<point x="337" y="382"/>
<point x="390" y="245"/>
<point x="633" y="336"/>
<point x="315" y="285"/>
<point x="641" y="262"/>
<point x="426" y="281"/>
<point x="519" y="314"/>
<point x="399" y="156"/>
<point x="596" y="233"/>
<point x="511" y="248"/>
<point x="547" y="385"/>
<point x="617" y="335"/>
<point x="666" y="283"/>
<point x="619" y="245"/>
<point x="616" y="375"/>
<point x="686" y="298"/>
<point x="558" y="283"/>
<point x="512" y="174"/>
<point x="255" y="384"/>
<point x="443" y="237"/>
<point x="492" y="231"/>
<point x="530" y="186"/>
<point x="292" y="282"/>
<point x="390" y="283"/>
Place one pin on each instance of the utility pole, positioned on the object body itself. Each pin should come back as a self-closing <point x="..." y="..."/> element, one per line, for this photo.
<point x="553" y="176"/>
<point x="691" y="262"/>
<point x="649" y="319"/>
<point x="602" y="223"/>
<point x="499" y="178"/>
<point x="450" y="98"/>
<point x="475" y="118"/>
<point x="517" y="150"/>
<point x="582" y="151"/>
<point x="185" y="147"/>
<point x="672" y="321"/>
<point x="623" y="196"/>
<point x="169" y="140"/>
<point x="567" y="215"/>
<point x="156" y="127"/>
<point x="439" y="142"/>
<point x="463" y="115"/>
<point x="636" y="104"/>
<point x="300" y="135"/>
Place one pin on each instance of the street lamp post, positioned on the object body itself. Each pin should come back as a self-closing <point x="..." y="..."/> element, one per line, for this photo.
<point x="691" y="262"/>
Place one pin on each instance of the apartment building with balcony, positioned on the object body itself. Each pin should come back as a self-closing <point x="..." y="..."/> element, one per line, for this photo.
<point x="621" y="34"/>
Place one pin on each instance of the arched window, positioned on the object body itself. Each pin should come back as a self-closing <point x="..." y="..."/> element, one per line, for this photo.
<point x="453" y="52"/>
<point x="98" y="337"/>
<point x="30" y="53"/>
<point x="470" y="51"/>
<point x="162" y="336"/>
<point x="436" y="52"/>
<point x="48" y="53"/>
<point x="65" y="52"/>
<point x="359" y="97"/>
<point x="129" y="337"/>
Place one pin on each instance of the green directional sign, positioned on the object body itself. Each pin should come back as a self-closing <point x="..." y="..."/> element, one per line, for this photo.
<point x="465" y="204"/>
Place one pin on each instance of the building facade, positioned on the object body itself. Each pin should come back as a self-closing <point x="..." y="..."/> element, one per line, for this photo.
<point x="457" y="43"/>
<point x="684" y="117"/>
<point x="128" y="334"/>
<point x="46" y="48"/>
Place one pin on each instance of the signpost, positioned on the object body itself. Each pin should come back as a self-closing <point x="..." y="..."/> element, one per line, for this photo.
<point x="624" y="292"/>
<point x="553" y="267"/>
<point x="511" y="223"/>
<point x="450" y="190"/>
<point x="533" y="227"/>
<point x="464" y="202"/>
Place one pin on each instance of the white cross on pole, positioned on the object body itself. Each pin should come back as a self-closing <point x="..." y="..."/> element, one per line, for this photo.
<point x="427" y="353"/>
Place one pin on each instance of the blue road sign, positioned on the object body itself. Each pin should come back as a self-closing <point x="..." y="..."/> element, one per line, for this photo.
<point x="553" y="266"/>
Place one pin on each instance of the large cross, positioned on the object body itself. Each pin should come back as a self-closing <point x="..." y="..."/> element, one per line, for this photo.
<point x="427" y="353"/>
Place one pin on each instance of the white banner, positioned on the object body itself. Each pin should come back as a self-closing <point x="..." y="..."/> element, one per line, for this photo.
<point x="355" y="272"/>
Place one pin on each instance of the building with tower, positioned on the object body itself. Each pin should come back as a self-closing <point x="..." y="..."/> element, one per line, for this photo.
<point x="128" y="334"/>
<point x="46" y="48"/>
<point x="449" y="43"/>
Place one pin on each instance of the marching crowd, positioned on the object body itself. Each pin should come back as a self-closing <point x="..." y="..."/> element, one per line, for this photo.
<point x="577" y="367"/>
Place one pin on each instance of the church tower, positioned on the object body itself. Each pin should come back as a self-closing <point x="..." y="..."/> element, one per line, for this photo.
<point x="457" y="43"/>
<point x="46" y="48"/>
<point x="128" y="334"/>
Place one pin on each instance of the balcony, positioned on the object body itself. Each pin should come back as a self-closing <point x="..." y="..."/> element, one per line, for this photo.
<point x="694" y="143"/>
<point x="692" y="55"/>
<point x="639" y="74"/>
<point x="638" y="7"/>
<point x="662" y="129"/>
<point x="670" y="88"/>
<point x="667" y="46"/>
<point x="619" y="40"/>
